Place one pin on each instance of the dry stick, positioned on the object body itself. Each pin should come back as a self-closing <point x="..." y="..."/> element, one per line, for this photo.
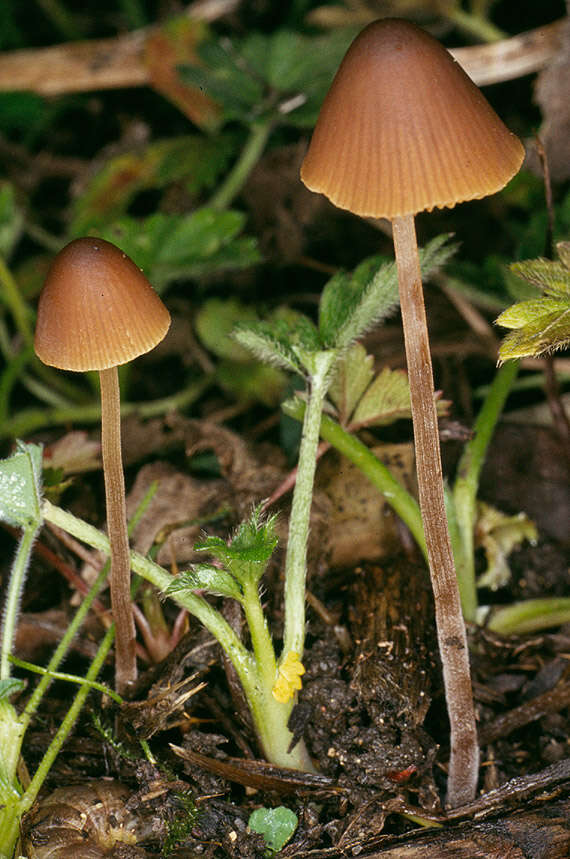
<point x="464" y="753"/>
<point x="120" y="61"/>
<point x="120" y="577"/>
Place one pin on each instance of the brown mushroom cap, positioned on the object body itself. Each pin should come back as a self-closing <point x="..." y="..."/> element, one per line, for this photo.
<point x="97" y="309"/>
<point x="403" y="129"/>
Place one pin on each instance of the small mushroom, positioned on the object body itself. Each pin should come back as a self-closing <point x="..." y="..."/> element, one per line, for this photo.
<point x="404" y="129"/>
<point x="97" y="311"/>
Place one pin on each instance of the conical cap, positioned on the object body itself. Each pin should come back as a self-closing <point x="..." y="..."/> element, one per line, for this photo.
<point x="403" y="129"/>
<point x="97" y="309"/>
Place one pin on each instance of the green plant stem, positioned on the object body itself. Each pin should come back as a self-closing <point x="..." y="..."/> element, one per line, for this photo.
<point x="250" y="155"/>
<point x="64" y="645"/>
<point x="530" y="616"/>
<point x="61" y="19"/>
<point x="270" y="717"/>
<point x="15" y="585"/>
<point x="473" y="25"/>
<point x="467" y="483"/>
<point x="11" y="735"/>
<point x="69" y="720"/>
<point x="260" y="638"/>
<point x="296" y="561"/>
<point x="31" y="420"/>
<point x="399" y="499"/>
<point x="13" y="299"/>
<point x="69" y="678"/>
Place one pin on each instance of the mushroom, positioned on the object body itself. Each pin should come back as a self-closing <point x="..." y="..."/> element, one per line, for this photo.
<point x="404" y="129"/>
<point x="97" y="311"/>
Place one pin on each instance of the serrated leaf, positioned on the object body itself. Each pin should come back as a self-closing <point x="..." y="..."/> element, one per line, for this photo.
<point x="171" y="247"/>
<point x="277" y="825"/>
<point x="249" y="550"/>
<point x="352" y="376"/>
<point x="20" y="486"/>
<point x="254" y="541"/>
<point x="204" y="577"/>
<point x="352" y="304"/>
<point x="542" y="325"/>
<point x="268" y="343"/>
<point x="548" y="275"/>
<point x="223" y="77"/>
<point x="386" y="400"/>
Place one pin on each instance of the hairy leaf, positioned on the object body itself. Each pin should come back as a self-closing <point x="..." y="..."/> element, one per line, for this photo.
<point x="20" y="486"/>
<point x="541" y="325"/>
<point x="204" y="577"/>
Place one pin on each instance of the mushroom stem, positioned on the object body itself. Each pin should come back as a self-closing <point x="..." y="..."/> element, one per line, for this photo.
<point x="120" y="577"/>
<point x="452" y="639"/>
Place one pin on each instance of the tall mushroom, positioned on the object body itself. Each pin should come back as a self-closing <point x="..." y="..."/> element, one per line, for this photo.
<point x="97" y="311"/>
<point x="403" y="129"/>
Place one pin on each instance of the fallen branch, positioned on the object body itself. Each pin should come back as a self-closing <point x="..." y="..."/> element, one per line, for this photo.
<point x="119" y="62"/>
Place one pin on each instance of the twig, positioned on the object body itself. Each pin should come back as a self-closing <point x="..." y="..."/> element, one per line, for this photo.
<point x="118" y="62"/>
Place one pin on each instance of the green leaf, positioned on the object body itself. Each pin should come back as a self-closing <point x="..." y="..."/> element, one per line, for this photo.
<point x="541" y="325"/>
<point x="252" y="382"/>
<point x="352" y="304"/>
<point x="249" y="550"/>
<point x="204" y="577"/>
<point x="352" y="376"/>
<point x="553" y="277"/>
<point x="225" y="78"/>
<point x="269" y="343"/>
<point x="172" y="247"/>
<point x="9" y="687"/>
<point x="277" y="825"/>
<point x="215" y="321"/>
<point x="20" y="486"/>
<point x="386" y="400"/>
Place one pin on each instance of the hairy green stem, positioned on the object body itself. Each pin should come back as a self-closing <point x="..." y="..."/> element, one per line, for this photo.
<point x="296" y="561"/>
<point x="15" y="586"/>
